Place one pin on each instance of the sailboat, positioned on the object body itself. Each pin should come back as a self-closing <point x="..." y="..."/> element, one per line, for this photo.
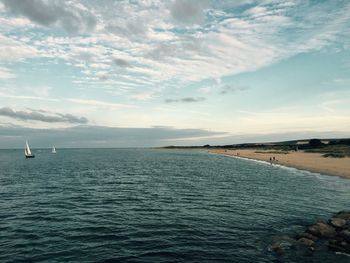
<point x="53" y="149"/>
<point x="27" y="152"/>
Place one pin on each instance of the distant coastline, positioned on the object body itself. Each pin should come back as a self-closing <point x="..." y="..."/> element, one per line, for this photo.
<point x="324" y="156"/>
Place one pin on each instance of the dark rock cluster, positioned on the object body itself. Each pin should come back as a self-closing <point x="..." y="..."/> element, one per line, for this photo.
<point x="334" y="233"/>
<point x="341" y="240"/>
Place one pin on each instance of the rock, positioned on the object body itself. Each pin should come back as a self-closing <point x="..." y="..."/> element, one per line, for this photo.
<point x="322" y="230"/>
<point x="345" y="234"/>
<point x="308" y="236"/>
<point x="332" y="242"/>
<point x="343" y="215"/>
<point x="311" y="249"/>
<point x="306" y="242"/>
<point x="338" y="222"/>
<point x="335" y="233"/>
<point x="277" y="248"/>
<point x="281" y="243"/>
<point x="341" y="246"/>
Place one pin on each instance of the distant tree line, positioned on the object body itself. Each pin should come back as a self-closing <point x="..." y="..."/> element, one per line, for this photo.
<point x="339" y="141"/>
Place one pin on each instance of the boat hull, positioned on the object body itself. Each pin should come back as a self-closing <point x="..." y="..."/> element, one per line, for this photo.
<point x="30" y="156"/>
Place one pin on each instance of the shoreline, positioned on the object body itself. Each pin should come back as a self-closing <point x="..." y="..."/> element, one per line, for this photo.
<point x="312" y="162"/>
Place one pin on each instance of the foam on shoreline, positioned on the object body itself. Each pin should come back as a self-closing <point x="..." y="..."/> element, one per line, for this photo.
<point x="283" y="166"/>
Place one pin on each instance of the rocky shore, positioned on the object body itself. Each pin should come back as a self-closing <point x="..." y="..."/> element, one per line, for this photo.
<point x="333" y="235"/>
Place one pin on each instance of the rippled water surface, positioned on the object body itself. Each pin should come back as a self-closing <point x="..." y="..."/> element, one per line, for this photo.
<point x="118" y="205"/>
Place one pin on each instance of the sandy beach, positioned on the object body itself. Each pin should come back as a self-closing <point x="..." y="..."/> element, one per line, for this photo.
<point x="313" y="162"/>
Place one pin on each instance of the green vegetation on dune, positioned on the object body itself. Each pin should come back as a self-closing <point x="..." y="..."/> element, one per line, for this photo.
<point x="334" y="155"/>
<point x="275" y="152"/>
<point x="332" y="150"/>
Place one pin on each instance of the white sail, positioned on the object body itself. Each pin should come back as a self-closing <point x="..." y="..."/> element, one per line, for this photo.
<point x="27" y="149"/>
<point x="53" y="149"/>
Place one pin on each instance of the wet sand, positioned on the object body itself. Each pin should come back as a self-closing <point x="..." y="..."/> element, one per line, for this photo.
<point x="313" y="162"/>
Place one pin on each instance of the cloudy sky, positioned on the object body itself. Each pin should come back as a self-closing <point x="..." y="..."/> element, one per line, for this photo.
<point x="149" y="72"/>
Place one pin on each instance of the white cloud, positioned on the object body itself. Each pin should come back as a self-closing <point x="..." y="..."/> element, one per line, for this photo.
<point x="41" y="91"/>
<point x="99" y="103"/>
<point x="219" y="47"/>
<point x="14" y="22"/>
<point x="6" y="74"/>
<point x="25" y="97"/>
<point x="229" y="46"/>
<point x="14" y="50"/>
<point x="144" y="96"/>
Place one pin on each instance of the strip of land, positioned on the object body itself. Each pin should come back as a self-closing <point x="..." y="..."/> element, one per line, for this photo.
<point x="314" y="162"/>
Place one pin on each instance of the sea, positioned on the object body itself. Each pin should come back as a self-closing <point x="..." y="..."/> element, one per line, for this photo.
<point x="156" y="205"/>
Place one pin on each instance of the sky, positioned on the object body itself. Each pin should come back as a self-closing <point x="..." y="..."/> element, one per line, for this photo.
<point x="154" y="73"/>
